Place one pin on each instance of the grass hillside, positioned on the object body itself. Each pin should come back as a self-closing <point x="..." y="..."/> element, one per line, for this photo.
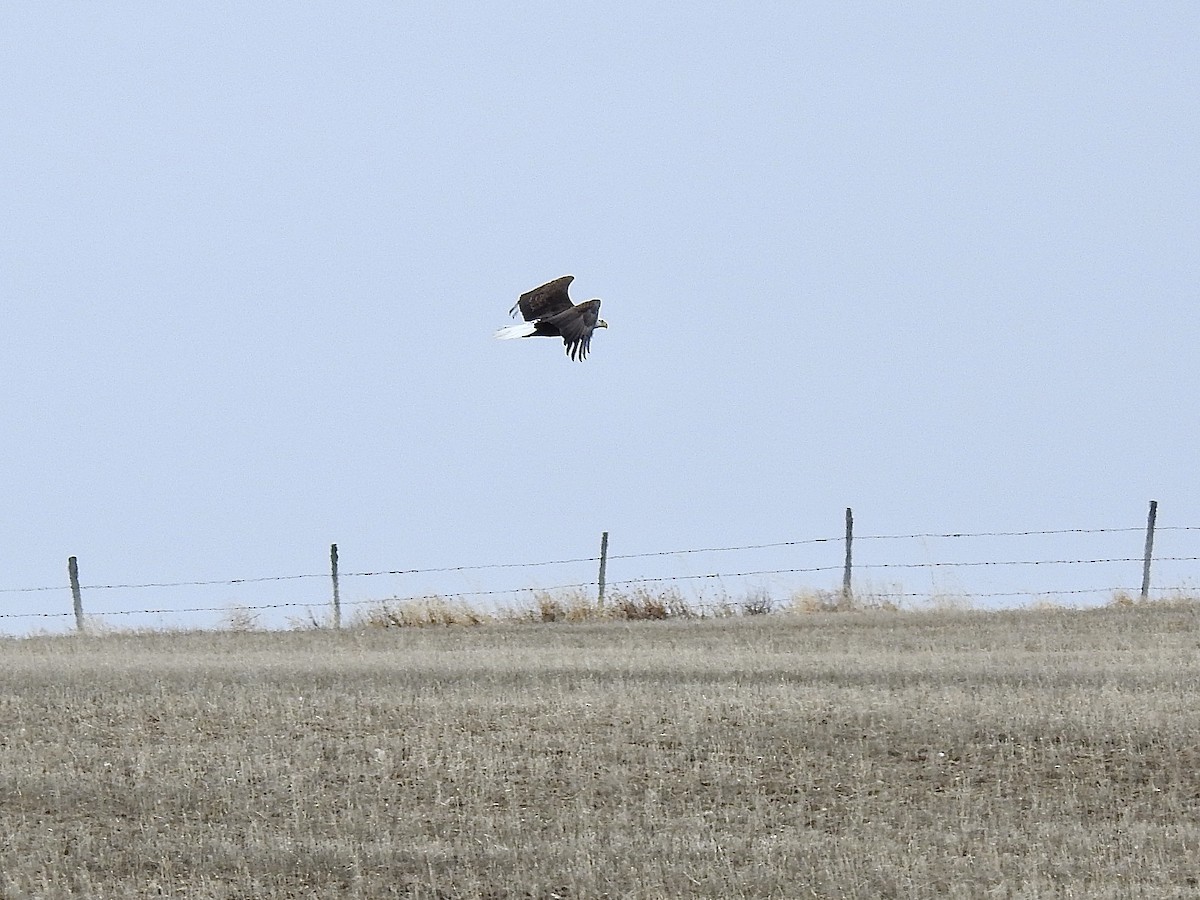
<point x="1044" y="753"/>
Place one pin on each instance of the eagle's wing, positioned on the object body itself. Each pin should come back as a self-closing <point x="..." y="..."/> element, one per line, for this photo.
<point x="542" y="302"/>
<point x="576" y="326"/>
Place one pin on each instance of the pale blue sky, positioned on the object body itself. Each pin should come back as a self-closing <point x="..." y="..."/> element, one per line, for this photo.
<point x="937" y="262"/>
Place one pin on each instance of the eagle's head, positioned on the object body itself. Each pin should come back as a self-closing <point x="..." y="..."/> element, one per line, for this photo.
<point x="600" y="323"/>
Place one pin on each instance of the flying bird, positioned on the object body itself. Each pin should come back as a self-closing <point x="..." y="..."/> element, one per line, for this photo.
<point x="549" y="312"/>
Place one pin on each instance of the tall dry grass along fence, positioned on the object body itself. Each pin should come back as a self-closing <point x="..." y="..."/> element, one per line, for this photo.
<point x="990" y="568"/>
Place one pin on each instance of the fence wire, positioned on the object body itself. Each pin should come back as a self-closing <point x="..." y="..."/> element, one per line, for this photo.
<point x="638" y="582"/>
<point x="657" y="553"/>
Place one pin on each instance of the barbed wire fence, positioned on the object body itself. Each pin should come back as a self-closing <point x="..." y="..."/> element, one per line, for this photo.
<point x="852" y="574"/>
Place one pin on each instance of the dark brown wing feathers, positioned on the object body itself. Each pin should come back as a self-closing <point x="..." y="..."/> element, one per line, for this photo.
<point x="575" y="326"/>
<point x="545" y="301"/>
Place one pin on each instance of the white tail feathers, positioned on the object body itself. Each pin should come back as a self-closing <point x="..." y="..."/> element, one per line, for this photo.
<point x="523" y="329"/>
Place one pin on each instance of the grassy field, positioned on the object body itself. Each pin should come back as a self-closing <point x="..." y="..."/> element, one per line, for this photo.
<point x="1047" y="753"/>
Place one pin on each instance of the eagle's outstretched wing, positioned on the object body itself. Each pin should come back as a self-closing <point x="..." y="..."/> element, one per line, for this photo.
<point x="543" y="302"/>
<point x="576" y="325"/>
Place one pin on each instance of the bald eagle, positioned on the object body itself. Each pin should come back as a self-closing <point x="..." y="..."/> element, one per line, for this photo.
<point x="549" y="312"/>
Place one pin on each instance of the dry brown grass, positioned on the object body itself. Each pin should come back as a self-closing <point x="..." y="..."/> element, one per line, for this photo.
<point x="1049" y="753"/>
<point x="569" y="605"/>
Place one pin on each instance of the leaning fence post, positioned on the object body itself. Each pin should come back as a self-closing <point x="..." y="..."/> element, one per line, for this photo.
<point x="337" y="597"/>
<point x="76" y="596"/>
<point x="603" y="566"/>
<point x="1149" y="549"/>
<point x="847" y="597"/>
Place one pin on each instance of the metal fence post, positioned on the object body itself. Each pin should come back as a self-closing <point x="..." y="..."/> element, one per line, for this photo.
<point x="337" y="597"/>
<point x="76" y="595"/>
<point x="603" y="566"/>
<point x="847" y="596"/>
<point x="1149" y="549"/>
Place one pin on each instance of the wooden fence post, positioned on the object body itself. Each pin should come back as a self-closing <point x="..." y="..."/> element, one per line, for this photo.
<point x="337" y="597"/>
<point x="603" y="566"/>
<point x="847" y="596"/>
<point x="76" y="596"/>
<point x="1149" y="549"/>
